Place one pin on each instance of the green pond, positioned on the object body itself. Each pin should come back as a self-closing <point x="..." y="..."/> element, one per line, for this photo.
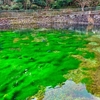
<point x="34" y="62"/>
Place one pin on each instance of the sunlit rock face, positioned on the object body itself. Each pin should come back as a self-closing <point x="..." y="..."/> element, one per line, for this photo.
<point x="69" y="91"/>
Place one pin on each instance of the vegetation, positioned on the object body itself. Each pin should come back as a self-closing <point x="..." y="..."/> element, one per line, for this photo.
<point x="88" y="3"/>
<point x="54" y="4"/>
<point x="40" y="59"/>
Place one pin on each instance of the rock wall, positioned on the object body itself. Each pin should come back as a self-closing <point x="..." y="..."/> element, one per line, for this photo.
<point x="72" y="18"/>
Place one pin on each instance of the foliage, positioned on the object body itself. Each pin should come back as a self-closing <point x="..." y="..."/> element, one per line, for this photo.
<point x="34" y="6"/>
<point x="6" y="7"/>
<point x="18" y="0"/>
<point x="88" y="3"/>
<point x="29" y="4"/>
<point x="60" y="3"/>
<point x="41" y="3"/>
<point x="17" y="6"/>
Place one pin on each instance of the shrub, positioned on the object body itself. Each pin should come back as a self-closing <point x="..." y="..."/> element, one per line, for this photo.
<point x="6" y="7"/>
<point x="17" y="6"/>
<point x="33" y="6"/>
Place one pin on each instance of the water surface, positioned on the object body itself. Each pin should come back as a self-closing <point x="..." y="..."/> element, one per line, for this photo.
<point x="31" y="60"/>
<point x="69" y="91"/>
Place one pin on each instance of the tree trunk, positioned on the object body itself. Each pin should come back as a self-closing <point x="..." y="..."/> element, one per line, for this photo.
<point x="82" y="7"/>
<point x="4" y="2"/>
<point x="9" y="2"/>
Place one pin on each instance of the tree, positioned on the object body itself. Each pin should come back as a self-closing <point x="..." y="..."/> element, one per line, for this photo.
<point x="60" y="3"/>
<point x="48" y="3"/>
<point x="88" y="3"/>
<point x="94" y="3"/>
<point x="41" y="3"/>
<point x="27" y="4"/>
<point x="83" y="3"/>
<point x="7" y="2"/>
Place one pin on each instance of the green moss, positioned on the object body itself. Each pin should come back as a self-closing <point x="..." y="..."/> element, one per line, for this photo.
<point x="90" y="55"/>
<point x="87" y="68"/>
<point x="27" y="64"/>
<point x="87" y="80"/>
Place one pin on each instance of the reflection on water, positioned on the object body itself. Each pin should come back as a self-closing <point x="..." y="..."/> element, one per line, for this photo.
<point x="46" y="52"/>
<point x="74" y="27"/>
<point x="69" y="91"/>
<point x="85" y="29"/>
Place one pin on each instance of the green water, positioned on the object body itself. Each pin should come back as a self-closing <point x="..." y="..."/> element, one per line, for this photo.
<point x="30" y="59"/>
